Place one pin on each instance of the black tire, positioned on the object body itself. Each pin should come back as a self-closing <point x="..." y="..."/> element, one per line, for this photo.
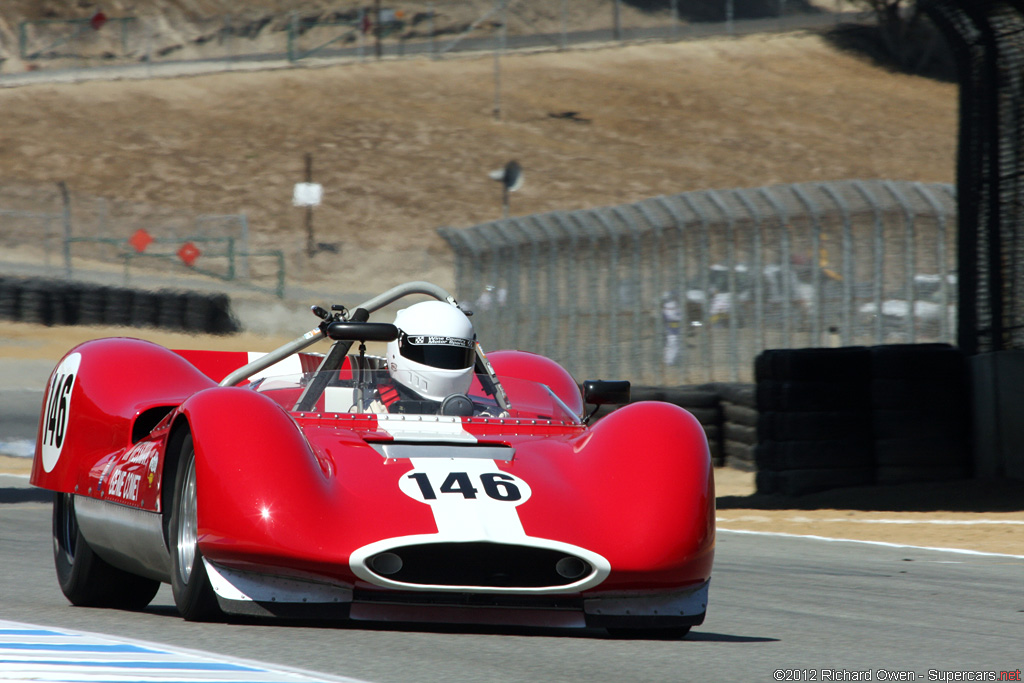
<point x="800" y="482"/>
<point x="922" y="452"/>
<point x="847" y="364"/>
<point x="118" y="311"/>
<point x="909" y="475"/>
<point x="198" y="312"/>
<point x="92" y="304"/>
<point x="942" y="394"/>
<point x="739" y="414"/>
<point x="708" y="417"/>
<point x="918" y="362"/>
<point x="737" y="393"/>
<point x="171" y="314"/>
<point x="10" y="295"/>
<point x="221" y="319"/>
<point x="190" y="584"/>
<point x="84" y="577"/>
<point x="688" y="397"/>
<point x="145" y="311"/>
<point x="739" y="456"/>
<point x="810" y="396"/>
<point x="645" y="393"/>
<point x="911" y="424"/>
<point x="740" y="433"/>
<point x="813" y="455"/>
<point x="813" y="426"/>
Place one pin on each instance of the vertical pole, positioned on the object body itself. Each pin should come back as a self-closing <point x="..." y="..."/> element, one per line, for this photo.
<point x="729" y="16"/>
<point x="565" y="14"/>
<point x="66" y="199"/>
<point x="499" y="48"/>
<point x="376" y="29"/>
<point x="227" y="33"/>
<point x="291" y="37"/>
<point x="675" y="19"/>
<point x="433" y="32"/>
<point x="360" y="49"/>
<point x="310" y="246"/>
<point x="616" y="20"/>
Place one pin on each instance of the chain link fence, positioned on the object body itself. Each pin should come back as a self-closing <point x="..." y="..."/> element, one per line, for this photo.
<point x="371" y="30"/>
<point x="49" y="230"/>
<point x="691" y="287"/>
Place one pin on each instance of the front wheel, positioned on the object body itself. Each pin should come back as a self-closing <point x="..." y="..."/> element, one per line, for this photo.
<point x="193" y="594"/>
<point x="85" y="578"/>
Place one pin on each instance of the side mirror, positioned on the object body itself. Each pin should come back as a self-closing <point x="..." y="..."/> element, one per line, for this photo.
<point x="603" y="392"/>
<point x="364" y="332"/>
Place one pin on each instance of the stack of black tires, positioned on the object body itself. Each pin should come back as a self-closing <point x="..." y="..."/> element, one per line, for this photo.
<point x="920" y="413"/>
<point x="739" y="424"/>
<point x="62" y="302"/>
<point x="851" y="416"/>
<point x="814" y="422"/>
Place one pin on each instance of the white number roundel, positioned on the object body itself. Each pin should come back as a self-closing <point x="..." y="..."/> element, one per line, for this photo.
<point x="57" y="408"/>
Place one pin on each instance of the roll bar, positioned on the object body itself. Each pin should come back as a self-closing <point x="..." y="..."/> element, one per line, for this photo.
<point x="309" y="338"/>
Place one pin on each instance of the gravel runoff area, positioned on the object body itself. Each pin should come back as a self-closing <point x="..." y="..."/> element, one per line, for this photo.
<point x="976" y="515"/>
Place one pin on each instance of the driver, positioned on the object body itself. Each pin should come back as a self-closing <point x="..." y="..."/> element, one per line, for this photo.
<point x="431" y="360"/>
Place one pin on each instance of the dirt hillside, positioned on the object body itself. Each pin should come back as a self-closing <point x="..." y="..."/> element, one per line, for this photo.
<point x="403" y="147"/>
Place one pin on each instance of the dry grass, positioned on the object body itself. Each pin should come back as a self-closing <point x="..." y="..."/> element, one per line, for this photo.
<point x="404" y="147"/>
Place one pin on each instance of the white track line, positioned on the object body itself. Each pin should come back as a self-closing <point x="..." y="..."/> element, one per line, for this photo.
<point x="41" y="653"/>
<point x="847" y="520"/>
<point x="778" y="534"/>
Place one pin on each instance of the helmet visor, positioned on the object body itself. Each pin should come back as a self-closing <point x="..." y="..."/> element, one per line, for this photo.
<point x="446" y="353"/>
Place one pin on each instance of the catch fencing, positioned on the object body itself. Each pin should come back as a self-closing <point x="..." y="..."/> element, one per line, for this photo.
<point x="365" y="30"/>
<point x="690" y="288"/>
<point x="52" y="232"/>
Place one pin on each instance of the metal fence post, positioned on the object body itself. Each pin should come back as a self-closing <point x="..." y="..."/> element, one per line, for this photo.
<point x="612" y="293"/>
<point x="940" y="256"/>
<point x="704" y="275"/>
<point x="571" y="291"/>
<point x="758" y="267"/>
<point x="734" y="293"/>
<point x="847" y="260"/>
<point x="879" y="252"/>
<point x="634" y="295"/>
<point x="66" y="201"/>
<point x="909" y="257"/>
<point x="785" y="267"/>
<point x="659" y="297"/>
<point x="680" y="281"/>
<point x="819" y="299"/>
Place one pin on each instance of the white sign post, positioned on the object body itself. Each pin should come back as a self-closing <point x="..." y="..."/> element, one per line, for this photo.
<point x="308" y="194"/>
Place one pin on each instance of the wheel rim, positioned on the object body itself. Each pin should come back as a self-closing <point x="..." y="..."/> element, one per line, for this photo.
<point x="187" y="523"/>
<point x="68" y="528"/>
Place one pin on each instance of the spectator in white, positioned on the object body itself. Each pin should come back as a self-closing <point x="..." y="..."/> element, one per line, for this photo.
<point x="671" y="319"/>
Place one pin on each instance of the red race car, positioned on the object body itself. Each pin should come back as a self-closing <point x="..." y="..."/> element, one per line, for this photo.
<point x="435" y="483"/>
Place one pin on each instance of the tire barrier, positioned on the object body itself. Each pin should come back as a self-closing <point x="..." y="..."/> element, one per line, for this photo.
<point x="731" y="441"/>
<point x="60" y="302"/>
<point x="920" y="413"/>
<point x="814" y="422"/>
<point x="739" y="424"/>
<point x="829" y="418"/>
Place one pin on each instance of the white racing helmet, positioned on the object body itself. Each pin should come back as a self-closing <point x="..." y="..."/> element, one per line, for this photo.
<point x="435" y="350"/>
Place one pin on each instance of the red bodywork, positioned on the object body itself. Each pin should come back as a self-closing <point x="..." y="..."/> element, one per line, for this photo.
<point x="296" y="494"/>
